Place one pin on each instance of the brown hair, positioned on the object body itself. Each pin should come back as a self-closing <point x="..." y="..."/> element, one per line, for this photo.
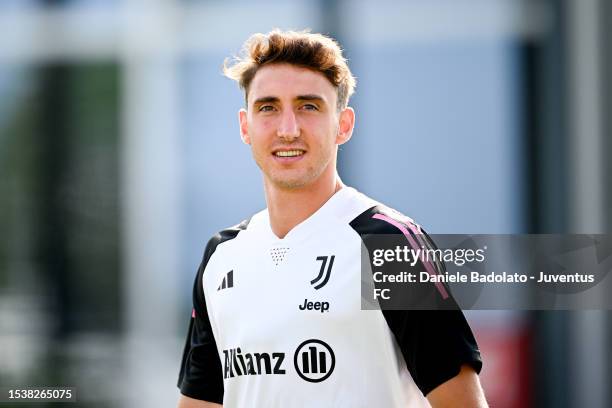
<point x="315" y="51"/>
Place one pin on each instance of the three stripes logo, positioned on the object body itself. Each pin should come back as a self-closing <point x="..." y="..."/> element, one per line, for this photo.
<point x="314" y="360"/>
<point x="323" y="276"/>
<point x="228" y="281"/>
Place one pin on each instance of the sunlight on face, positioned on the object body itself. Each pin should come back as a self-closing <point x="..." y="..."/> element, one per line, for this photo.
<point x="291" y="124"/>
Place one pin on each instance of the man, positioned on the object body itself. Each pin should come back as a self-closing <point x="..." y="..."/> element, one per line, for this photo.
<point x="277" y="318"/>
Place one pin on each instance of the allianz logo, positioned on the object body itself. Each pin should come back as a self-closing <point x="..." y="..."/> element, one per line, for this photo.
<point x="313" y="360"/>
<point x="238" y="363"/>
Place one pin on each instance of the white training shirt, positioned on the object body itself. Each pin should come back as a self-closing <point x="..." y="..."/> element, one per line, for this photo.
<point x="279" y="323"/>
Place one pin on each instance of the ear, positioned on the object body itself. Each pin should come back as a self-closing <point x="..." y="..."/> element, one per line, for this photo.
<point x="244" y="129"/>
<point x="346" y="123"/>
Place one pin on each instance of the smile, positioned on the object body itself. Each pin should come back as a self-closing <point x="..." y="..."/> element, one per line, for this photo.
<point x="289" y="153"/>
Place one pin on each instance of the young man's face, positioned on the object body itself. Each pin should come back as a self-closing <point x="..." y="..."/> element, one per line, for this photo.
<point x="293" y="126"/>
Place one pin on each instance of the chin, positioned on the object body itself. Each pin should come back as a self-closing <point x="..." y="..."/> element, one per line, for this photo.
<point x="290" y="184"/>
<point x="293" y="181"/>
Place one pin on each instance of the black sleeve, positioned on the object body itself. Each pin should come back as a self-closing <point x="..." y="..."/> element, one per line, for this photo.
<point x="201" y="376"/>
<point x="435" y="343"/>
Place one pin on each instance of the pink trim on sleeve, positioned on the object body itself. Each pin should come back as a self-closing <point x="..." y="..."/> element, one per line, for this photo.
<point x="428" y="266"/>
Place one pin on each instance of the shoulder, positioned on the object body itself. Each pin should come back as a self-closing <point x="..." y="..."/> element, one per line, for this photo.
<point x="222" y="236"/>
<point x="381" y="219"/>
<point x="230" y="234"/>
<point x="382" y="227"/>
<point x="369" y="216"/>
<point x="217" y="239"/>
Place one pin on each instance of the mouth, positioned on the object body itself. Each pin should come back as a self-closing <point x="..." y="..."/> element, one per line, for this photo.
<point x="289" y="153"/>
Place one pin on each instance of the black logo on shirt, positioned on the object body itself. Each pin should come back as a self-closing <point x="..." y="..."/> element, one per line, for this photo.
<point x="323" y="276"/>
<point x="237" y="363"/>
<point x="314" y="360"/>
<point x="228" y="281"/>
<point x="309" y="305"/>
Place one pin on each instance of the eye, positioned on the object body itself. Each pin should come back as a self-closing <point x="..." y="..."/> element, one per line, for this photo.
<point x="310" y="106"/>
<point x="266" y="108"/>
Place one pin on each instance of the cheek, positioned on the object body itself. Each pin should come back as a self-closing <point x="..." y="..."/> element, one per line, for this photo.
<point x="331" y="136"/>
<point x="257" y="129"/>
<point x="263" y="122"/>
<point x="262" y="130"/>
<point x="325" y="147"/>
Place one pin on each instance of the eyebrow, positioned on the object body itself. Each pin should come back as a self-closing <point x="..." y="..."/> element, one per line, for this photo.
<point x="307" y="97"/>
<point x="265" y="99"/>
<point x="310" y="97"/>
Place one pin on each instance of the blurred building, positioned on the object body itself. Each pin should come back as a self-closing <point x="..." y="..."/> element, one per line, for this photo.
<point x="120" y="155"/>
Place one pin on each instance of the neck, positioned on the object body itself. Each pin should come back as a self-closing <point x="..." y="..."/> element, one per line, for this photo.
<point x="289" y="207"/>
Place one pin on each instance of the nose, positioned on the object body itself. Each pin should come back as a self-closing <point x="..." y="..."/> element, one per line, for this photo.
<point x="288" y="127"/>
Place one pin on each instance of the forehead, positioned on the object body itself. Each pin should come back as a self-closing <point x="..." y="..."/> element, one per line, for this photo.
<point x="288" y="81"/>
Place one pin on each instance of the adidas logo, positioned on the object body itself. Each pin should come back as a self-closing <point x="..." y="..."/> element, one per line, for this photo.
<point x="228" y="281"/>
